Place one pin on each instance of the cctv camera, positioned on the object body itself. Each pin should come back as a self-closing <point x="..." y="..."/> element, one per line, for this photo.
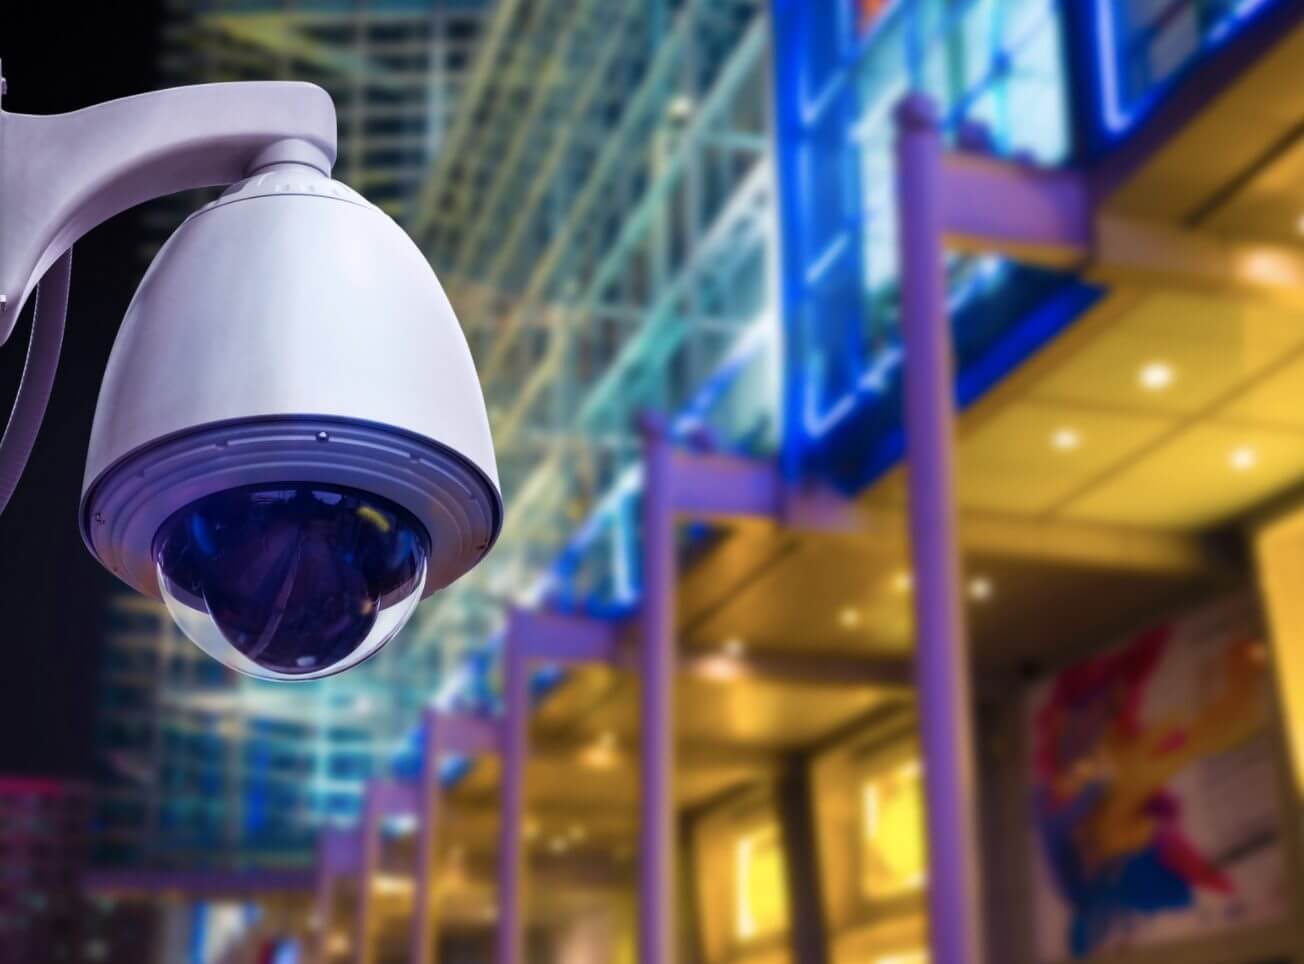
<point x="290" y="445"/>
<point x="290" y="448"/>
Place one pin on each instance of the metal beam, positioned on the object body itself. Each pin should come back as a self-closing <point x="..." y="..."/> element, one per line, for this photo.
<point x="442" y="733"/>
<point x="422" y="927"/>
<point x="941" y="645"/>
<point x="338" y="850"/>
<point x="723" y="486"/>
<point x="369" y="843"/>
<point x="1046" y="216"/>
<point x="556" y="638"/>
<point x="469" y="735"/>
<point x="328" y="856"/>
<point x="729" y="488"/>
<point x="393" y="797"/>
<point x="511" y="833"/>
<point x="1036" y="215"/>
<point x="657" y="657"/>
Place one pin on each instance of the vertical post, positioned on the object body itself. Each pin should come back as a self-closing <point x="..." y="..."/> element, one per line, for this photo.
<point x="368" y="862"/>
<point x="325" y="898"/>
<point x="656" y="664"/>
<point x="422" y="940"/>
<point x="807" y="933"/>
<point x="941" y="648"/>
<point x="515" y="738"/>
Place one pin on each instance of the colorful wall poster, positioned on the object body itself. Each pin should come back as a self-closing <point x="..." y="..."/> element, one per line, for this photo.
<point x="1155" y="795"/>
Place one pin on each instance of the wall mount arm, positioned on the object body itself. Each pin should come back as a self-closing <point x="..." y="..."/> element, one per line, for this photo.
<point x="62" y="174"/>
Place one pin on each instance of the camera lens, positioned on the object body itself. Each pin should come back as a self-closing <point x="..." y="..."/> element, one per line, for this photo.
<point x="293" y="579"/>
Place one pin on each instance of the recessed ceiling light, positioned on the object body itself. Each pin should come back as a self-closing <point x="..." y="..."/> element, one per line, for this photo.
<point x="734" y="647"/>
<point x="1267" y="267"/>
<point x="577" y="832"/>
<point x="603" y="753"/>
<point x="903" y="581"/>
<point x="1155" y="376"/>
<point x="980" y="589"/>
<point x="1065" y="439"/>
<point x="720" y="667"/>
<point x="1243" y="458"/>
<point x="849" y="617"/>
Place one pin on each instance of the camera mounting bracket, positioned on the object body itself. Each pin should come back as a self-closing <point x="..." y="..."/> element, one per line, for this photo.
<point x="62" y="174"/>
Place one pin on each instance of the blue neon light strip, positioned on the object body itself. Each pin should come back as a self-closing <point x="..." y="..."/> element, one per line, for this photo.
<point x="821" y="227"/>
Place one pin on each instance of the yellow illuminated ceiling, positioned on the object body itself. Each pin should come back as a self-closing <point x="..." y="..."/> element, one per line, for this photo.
<point x="1172" y="410"/>
<point x="1187" y="405"/>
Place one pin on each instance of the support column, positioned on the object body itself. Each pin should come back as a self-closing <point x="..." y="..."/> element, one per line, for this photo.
<point x="941" y="647"/>
<point x="421" y="948"/>
<point x="325" y="898"/>
<point x="511" y="837"/>
<point x="368" y="862"/>
<point x="656" y="664"/>
<point x="807" y="933"/>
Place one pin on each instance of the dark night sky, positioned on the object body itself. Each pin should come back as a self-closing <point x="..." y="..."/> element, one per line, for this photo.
<point x="59" y="57"/>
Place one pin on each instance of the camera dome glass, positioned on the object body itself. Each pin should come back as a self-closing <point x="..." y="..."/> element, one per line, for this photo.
<point x="291" y="580"/>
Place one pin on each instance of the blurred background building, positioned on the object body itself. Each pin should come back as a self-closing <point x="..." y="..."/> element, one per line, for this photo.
<point x="691" y="208"/>
<point x="44" y="827"/>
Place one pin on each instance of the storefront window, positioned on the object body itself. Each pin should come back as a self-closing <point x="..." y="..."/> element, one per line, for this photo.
<point x="893" y="853"/>
<point x="760" y="894"/>
<point x="740" y="868"/>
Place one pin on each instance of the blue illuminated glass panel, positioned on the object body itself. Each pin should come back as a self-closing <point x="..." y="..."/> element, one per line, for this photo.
<point x="1143" y="46"/>
<point x="997" y="71"/>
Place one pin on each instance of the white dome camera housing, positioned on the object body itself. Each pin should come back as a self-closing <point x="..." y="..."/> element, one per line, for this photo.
<point x="290" y="444"/>
<point x="291" y="447"/>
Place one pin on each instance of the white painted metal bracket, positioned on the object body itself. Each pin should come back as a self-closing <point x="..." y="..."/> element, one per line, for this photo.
<point x="61" y="175"/>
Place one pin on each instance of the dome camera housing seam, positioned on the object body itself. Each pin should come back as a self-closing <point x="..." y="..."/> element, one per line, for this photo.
<point x="124" y="507"/>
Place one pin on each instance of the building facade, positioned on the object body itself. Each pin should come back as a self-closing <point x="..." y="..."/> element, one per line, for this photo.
<point x="801" y="324"/>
